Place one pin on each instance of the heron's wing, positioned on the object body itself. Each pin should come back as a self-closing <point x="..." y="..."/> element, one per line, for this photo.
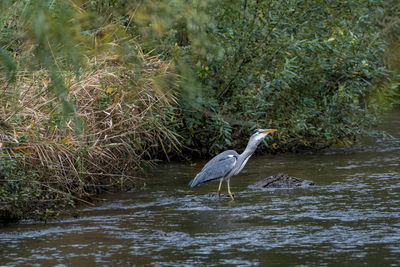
<point x="221" y="156"/>
<point x="217" y="168"/>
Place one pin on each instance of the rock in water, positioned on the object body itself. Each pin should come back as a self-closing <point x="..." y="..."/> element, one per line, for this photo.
<point x="282" y="180"/>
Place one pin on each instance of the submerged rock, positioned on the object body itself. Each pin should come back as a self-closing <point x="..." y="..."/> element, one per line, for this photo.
<point x="282" y="180"/>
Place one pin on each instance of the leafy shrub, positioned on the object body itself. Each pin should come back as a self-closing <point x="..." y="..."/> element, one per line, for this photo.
<point x="307" y="68"/>
<point x="23" y="195"/>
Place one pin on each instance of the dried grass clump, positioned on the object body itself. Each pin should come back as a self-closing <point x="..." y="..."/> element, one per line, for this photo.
<point x="123" y="112"/>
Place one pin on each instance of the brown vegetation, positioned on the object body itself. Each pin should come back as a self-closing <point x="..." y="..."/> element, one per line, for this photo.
<point x="117" y="123"/>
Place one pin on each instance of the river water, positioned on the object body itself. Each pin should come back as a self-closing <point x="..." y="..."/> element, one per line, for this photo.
<point x="352" y="217"/>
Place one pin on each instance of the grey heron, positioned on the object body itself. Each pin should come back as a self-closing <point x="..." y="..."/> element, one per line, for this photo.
<point x="229" y="163"/>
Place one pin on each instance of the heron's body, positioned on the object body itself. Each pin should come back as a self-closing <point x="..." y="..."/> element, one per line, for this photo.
<point x="229" y="163"/>
<point x="219" y="167"/>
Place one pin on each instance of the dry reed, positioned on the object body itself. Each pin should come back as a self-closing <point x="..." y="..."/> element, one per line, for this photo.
<point x="123" y="110"/>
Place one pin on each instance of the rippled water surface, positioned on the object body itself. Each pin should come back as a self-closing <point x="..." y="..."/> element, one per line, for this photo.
<point x="351" y="218"/>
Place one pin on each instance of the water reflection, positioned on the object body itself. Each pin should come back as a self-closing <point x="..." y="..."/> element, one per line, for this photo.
<point x="351" y="217"/>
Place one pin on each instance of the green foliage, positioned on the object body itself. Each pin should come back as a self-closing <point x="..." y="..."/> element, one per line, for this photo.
<point x="306" y="67"/>
<point x="389" y="24"/>
<point x="311" y="69"/>
<point x="41" y="35"/>
<point x="8" y="66"/>
<point x="22" y="195"/>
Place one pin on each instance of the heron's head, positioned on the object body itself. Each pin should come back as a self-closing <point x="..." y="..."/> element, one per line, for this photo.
<point x="260" y="134"/>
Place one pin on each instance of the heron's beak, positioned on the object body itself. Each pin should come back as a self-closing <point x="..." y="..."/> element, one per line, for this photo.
<point x="269" y="131"/>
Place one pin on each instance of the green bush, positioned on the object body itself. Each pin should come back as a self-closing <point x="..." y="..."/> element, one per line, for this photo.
<point x="307" y="68"/>
<point x="24" y="195"/>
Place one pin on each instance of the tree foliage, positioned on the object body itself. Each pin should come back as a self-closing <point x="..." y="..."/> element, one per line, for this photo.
<point x="307" y="68"/>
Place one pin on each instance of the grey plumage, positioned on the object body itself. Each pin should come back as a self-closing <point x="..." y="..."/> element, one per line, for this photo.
<point x="229" y="163"/>
<point x="217" y="168"/>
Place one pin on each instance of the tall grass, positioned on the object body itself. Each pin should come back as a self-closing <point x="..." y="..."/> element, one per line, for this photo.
<point x="119" y="121"/>
<point x="82" y="108"/>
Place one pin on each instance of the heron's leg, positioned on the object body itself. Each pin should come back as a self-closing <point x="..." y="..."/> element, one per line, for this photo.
<point x="229" y="190"/>
<point x="219" y="188"/>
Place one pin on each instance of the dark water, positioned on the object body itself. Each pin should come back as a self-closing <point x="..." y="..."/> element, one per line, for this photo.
<point x="351" y="218"/>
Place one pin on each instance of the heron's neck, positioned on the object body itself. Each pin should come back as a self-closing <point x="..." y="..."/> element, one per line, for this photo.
<point x="250" y="148"/>
<point x="244" y="157"/>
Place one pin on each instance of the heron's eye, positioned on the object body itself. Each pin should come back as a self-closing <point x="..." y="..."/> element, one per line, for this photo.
<point x="255" y="131"/>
